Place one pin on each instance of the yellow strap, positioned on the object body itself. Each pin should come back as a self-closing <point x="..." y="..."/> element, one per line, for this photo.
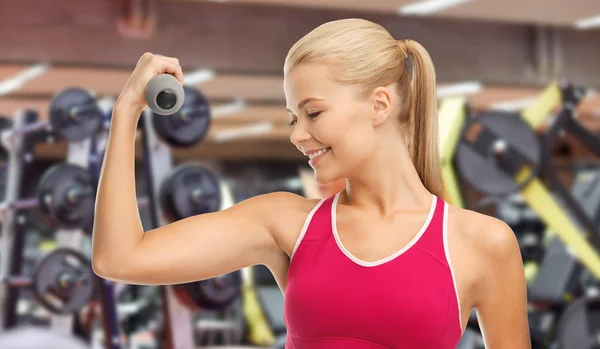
<point x="542" y="202"/>
<point x="536" y="114"/>
<point x="259" y="331"/>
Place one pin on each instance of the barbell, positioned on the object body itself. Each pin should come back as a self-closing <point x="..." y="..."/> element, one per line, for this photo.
<point x="73" y="113"/>
<point x="66" y="195"/>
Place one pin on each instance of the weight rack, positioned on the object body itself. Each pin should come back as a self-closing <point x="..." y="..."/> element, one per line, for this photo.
<point x="180" y="321"/>
<point x="20" y="156"/>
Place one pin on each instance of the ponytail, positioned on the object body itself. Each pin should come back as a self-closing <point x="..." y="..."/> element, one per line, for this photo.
<point x="422" y="132"/>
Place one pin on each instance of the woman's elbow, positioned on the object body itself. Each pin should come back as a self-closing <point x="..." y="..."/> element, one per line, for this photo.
<point x="110" y="268"/>
<point x="103" y="267"/>
<point x="99" y="267"/>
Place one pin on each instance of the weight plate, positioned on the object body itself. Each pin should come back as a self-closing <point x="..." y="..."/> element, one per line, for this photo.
<point x="75" y="115"/>
<point x="189" y="125"/>
<point x="65" y="196"/>
<point x="189" y="190"/>
<point x="579" y="327"/>
<point x="212" y="294"/>
<point x="484" y="171"/>
<point x="63" y="281"/>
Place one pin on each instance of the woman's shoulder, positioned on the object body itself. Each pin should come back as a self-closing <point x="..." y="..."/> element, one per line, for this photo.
<point x="491" y="238"/>
<point x="484" y="250"/>
<point x="285" y="202"/>
<point x="286" y="214"/>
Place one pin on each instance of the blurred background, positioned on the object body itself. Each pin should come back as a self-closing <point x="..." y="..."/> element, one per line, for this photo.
<point x="526" y="72"/>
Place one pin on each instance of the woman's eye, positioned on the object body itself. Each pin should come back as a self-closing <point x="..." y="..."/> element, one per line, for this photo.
<point x="292" y="123"/>
<point x="314" y="115"/>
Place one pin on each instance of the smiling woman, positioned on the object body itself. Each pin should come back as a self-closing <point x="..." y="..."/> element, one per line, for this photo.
<point x="380" y="262"/>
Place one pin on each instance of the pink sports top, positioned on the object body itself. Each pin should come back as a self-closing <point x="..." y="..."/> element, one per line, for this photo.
<point x="405" y="301"/>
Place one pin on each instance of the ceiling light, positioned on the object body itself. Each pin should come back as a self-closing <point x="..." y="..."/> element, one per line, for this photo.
<point x="222" y="110"/>
<point x="587" y="23"/>
<point x="514" y="104"/>
<point x="428" y="6"/>
<point x="19" y="80"/>
<point x="459" y="89"/>
<point x="199" y="76"/>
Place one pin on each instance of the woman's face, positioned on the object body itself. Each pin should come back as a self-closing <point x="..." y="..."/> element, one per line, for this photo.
<point x="332" y="124"/>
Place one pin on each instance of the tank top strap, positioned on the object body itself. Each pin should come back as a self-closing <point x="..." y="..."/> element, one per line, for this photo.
<point x="433" y="239"/>
<point x="318" y="223"/>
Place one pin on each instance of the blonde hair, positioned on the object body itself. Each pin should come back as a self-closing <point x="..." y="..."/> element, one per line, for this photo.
<point x="364" y="53"/>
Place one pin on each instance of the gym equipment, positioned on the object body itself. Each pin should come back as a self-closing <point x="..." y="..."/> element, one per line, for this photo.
<point x="210" y="294"/>
<point x="529" y="230"/>
<point x="35" y="338"/>
<point x="19" y="143"/>
<point x="263" y="308"/>
<point x="106" y="290"/>
<point x="522" y="165"/>
<point x="188" y="125"/>
<point x="13" y="228"/>
<point x="179" y="321"/>
<point x="73" y="114"/>
<point x="580" y="326"/>
<point x="498" y="164"/>
<point x="5" y="124"/>
<point x="64" y="194"/>
<point x="559" y="278"/>
<point x="495" y="146"/>
<point x="453" y="112"/>
<point x="190" y="190"/>
<point x="164" y="94"/>
<point x="62" y="282"/>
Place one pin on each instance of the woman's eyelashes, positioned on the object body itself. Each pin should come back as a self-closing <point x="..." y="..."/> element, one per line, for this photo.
<point x="310" y="115"/>
<point x="314" y="114"/>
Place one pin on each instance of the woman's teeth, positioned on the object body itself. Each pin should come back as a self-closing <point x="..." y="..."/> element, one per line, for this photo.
<point x="322" y="151"/>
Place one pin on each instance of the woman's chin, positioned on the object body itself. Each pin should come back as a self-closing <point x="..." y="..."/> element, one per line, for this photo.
<point x="329" y="187"/>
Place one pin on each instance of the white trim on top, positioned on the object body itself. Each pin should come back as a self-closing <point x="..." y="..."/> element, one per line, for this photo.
<point x="447" y="250"/>
<point x="386" y="259"/>
<point x="305" y="227"/>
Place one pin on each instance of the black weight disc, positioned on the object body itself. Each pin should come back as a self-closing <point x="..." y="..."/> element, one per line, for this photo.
<point x="212" y="294"/>
<point x="189" y="125"/>
<point x="579" y="327"/>
<point x="483" y="170"/>
<point x="189" y="190"/>
<point x="63" y="281"/>
<point x="75" y="115"/>
<point x="58" y="199"/>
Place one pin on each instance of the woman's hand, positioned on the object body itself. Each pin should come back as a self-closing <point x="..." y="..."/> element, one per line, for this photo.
<point x="148" y="66"/>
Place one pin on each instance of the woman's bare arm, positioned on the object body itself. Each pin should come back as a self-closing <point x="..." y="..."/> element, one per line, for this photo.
<point x="195" y="248"/>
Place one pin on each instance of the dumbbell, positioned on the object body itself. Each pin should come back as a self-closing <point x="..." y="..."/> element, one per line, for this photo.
<point x="62" y="282"/>
<point x="73" y="113"/>
<point x="181" y="114"/>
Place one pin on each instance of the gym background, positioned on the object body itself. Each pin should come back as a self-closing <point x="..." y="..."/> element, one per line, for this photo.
<point x="523" y="74"/>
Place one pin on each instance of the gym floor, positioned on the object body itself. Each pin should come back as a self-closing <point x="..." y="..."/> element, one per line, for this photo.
<point x="509" y="63"/>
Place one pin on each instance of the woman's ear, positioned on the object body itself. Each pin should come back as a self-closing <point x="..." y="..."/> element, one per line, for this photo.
<point x="382" y="105"/>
